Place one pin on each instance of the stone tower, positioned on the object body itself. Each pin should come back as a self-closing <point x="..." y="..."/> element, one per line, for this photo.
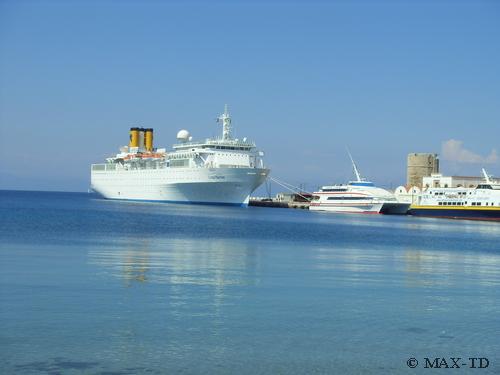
<point x="420" y="165"/>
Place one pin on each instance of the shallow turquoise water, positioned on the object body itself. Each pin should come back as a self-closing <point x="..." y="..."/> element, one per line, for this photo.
<point x="89" y="286"/>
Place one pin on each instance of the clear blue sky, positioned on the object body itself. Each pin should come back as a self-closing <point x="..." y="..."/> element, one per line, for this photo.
<point x="302" y="79"/>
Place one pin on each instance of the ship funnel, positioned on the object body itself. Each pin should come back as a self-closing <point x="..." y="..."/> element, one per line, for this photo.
<point x="134" y="137"/>
<point x="148" y="139"/>
<point x="141" y="138"/>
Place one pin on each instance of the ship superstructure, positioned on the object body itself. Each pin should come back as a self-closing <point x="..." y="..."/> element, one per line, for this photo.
<point x="480" y="203"/>
<point x="220" y="170"/>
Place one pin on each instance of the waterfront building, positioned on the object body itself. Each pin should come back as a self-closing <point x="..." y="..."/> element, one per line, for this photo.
<point x="438" y="180"/>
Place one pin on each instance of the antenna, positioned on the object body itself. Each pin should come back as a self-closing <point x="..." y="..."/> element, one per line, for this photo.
<point x="356" y="172"/>
<point x="486" y="177"/>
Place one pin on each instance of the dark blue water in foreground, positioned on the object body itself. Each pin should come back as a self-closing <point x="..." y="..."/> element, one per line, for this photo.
<point x="89" y="286"/>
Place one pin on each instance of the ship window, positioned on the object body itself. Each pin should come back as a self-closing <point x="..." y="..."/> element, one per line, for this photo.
<point x="98" y="167"/>
<point x="179" y="163"/>
<point x="478" y="203"/>
<point x="346" y="198"/>
<point x="440" y="203"/>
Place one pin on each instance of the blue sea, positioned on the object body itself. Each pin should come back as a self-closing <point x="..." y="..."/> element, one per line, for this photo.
<point x="90" y="286"/>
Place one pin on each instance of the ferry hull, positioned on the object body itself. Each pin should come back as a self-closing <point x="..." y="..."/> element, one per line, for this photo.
<point x="492" y="214"/>
<point x="356" y="209"/>
<point x="223" y="186"/>
<point x="395" y="208"/>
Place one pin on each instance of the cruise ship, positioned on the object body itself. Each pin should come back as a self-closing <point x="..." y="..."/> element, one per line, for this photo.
<point x="221" y="170"/>
<point x="479" y="203"/>
<point x="358" y="196"/>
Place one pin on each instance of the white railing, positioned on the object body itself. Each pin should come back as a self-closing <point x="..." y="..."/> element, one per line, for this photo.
<point x="215" y="142"/>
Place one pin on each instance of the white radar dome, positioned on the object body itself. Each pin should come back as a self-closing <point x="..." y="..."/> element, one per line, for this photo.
<point x="183" y="135"/>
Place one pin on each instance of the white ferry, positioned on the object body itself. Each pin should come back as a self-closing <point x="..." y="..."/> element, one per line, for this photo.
<point x="480" y="203"/>
<point x="221" y="170"/>
<point x="358" y="196"/>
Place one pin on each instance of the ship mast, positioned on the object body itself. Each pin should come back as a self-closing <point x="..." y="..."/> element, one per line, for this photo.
<point x="226" y="124"/>
<point x="356" y="172"/>
<point x="486" y="177"/>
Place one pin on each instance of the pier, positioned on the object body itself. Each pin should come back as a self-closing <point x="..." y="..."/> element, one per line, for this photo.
<point x="283" y="200"/>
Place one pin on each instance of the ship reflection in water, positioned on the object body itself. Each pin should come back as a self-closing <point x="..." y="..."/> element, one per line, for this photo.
<point x="215" y="263"/>
<point x="193" y="273"/>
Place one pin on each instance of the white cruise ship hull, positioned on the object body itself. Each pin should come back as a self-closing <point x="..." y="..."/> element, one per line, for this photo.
<point x="223" y="186"/>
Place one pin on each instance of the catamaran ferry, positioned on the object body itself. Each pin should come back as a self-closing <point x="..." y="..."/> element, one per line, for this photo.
<point x="358" y="196"/>
<point x="222" y="170"/>
<point x="480" y="203"/>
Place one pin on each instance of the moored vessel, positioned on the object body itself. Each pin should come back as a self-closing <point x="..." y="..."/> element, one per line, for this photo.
<point x="479" y="203"/>
<point x="359" y="196"/>
<point x="221" y="170"/>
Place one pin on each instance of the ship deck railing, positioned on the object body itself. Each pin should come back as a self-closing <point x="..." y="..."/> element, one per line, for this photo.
<point x="215" y="142"/>
<point x="114" y="166"/>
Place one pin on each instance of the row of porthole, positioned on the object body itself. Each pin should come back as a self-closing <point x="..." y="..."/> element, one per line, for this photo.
<point x="442" y="193"/>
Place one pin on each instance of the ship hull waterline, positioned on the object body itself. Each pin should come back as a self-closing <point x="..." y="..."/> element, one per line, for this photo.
<point x="366" y="208"/>
<point x="489" y="214"/>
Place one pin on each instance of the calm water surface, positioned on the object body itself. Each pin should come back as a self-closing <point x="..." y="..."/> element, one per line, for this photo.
<point x="89" y="286"/>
